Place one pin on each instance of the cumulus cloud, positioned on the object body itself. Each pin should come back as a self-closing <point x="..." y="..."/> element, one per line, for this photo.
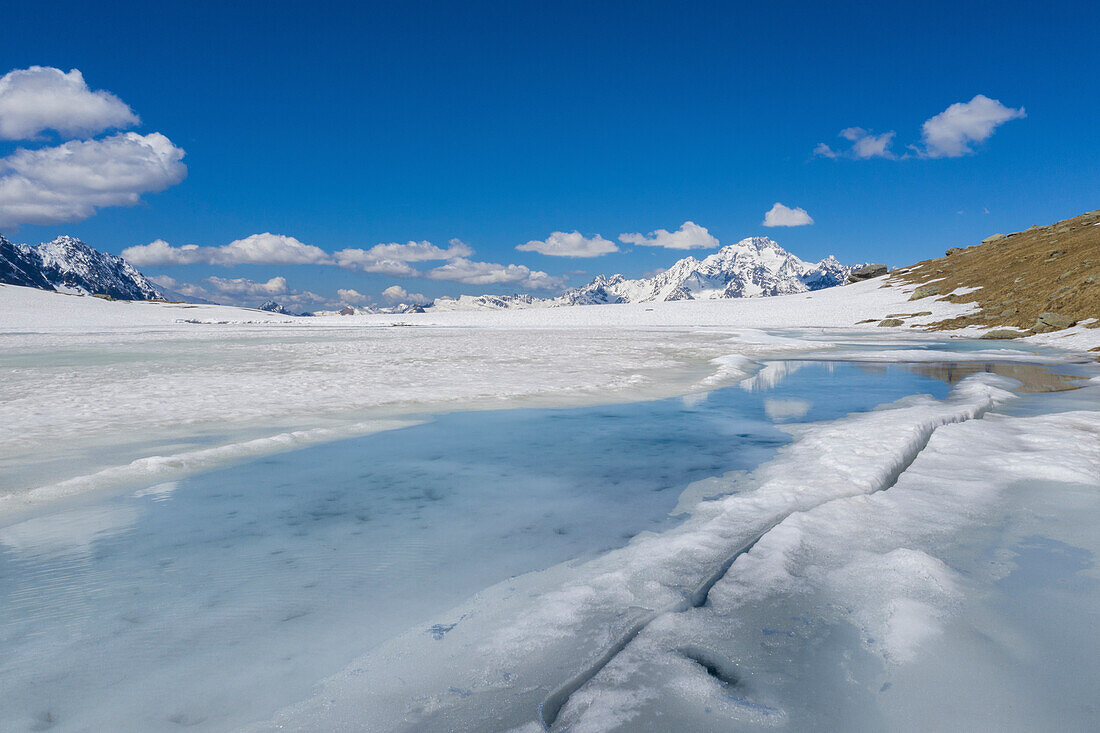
<point x="242" y="291"/>
<point x="244" y="286"/>
<point x="570" y="244"/>
<point x="267" y="248"/>
<point x="392" y="259"/>
<point x="70" y="181"/>
<point x="416" y="251"/>
<point x="487" y="273"/>
<point x="44" y="98"/>
<point x="350" y="296"/>
<point x="165" y="281"/>
<point x="864" y="145"/>
<point x="784" y="216"/>
<point x="398" y="294"/>
<point x="951" y="133"/>
<point x="689" y="236"/>
<point x="255" y="249"/>
<point x="361" y="259"/>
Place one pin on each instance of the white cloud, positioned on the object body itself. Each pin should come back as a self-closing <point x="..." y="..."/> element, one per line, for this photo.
<point x="398" y="294"/>
<point x="244" y="286"/>
<point x="44" y="98"/>
<point x="392" y="259"/>
<point x="951" y="133"/>
<point x="868" y="145"/>
<point x="267" y="248"/>
<point x="350" y="296"/>
<point x="242" y="291"/>
<point x="784" y="216"/>
<point x="361" y="259"/>
<point x="416" y="251"/>
<point x="689" y="236"/>
<point x="570" y="244"/>
<point x="159" y="252"/>
<point x="165" y="281"/>
<point x="488" y="273"/>
<point x="257" y="249"/>
<point x="69" y="182"/>
<point x="864" y="145"/>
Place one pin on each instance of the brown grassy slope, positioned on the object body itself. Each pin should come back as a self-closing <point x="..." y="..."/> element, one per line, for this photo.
<point x="1051" y="269"/>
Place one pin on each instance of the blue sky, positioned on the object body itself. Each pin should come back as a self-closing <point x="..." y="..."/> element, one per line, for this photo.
<point x="500" y="123"/>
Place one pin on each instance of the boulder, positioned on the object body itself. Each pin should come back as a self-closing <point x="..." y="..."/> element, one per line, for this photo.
<point x="1052" y="322"/>
<point x="1004" y="333"/>
<point x="994" y="238"/>
<point x="953" y="251"/>
<point x="867" y="272"/>
<point x="925" y="291"/>
<point x="891" y="322"/>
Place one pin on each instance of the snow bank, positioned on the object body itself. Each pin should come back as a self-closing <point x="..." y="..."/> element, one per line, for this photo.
<point x="866" y="563"/>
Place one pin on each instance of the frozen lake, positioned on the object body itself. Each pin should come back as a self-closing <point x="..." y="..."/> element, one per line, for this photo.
<point x="214" y="601"/>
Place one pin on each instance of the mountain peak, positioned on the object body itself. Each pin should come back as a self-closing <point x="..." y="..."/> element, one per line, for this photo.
<point x="752" y="267"/>
<point x="69" y="265"/>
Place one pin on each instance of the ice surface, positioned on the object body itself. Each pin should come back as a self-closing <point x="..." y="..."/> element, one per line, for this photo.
<point x="528" y="647"/>
<point x="217" y="599"/>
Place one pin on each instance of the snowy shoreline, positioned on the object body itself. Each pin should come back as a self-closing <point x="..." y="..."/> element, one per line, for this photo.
<point x="96" y="393"/>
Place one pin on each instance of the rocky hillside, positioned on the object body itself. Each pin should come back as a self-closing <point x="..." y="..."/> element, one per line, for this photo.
<point x="70" y="266"/>
<point x="1043" y="279"/>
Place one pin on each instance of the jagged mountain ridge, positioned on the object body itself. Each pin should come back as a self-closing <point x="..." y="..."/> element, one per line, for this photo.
<point x="69" y="265"/>
<point x="753" y="267"/>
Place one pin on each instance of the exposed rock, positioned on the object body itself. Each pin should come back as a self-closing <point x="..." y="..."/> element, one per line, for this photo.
<point x="891" y="322"/>
<point x="994" y="238"/>
<point x="867" y="272"/>
<point x="925" y="291"/>
<point x="953" y="251"/>
<point x="1052" y="322"/>
<point x="20" y="265"/>
<point x="1004" y="333"/>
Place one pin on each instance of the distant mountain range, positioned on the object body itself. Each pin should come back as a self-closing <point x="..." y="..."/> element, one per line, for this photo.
<point x="68" y="265"/>
<point x="753" y="267"/>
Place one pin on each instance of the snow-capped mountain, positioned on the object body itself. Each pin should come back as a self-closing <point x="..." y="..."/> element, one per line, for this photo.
<point x="272" y="306"/>
<point x="490" y="302"/>
<point x="68" y="265"/>
<point x="753" y="267"/>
